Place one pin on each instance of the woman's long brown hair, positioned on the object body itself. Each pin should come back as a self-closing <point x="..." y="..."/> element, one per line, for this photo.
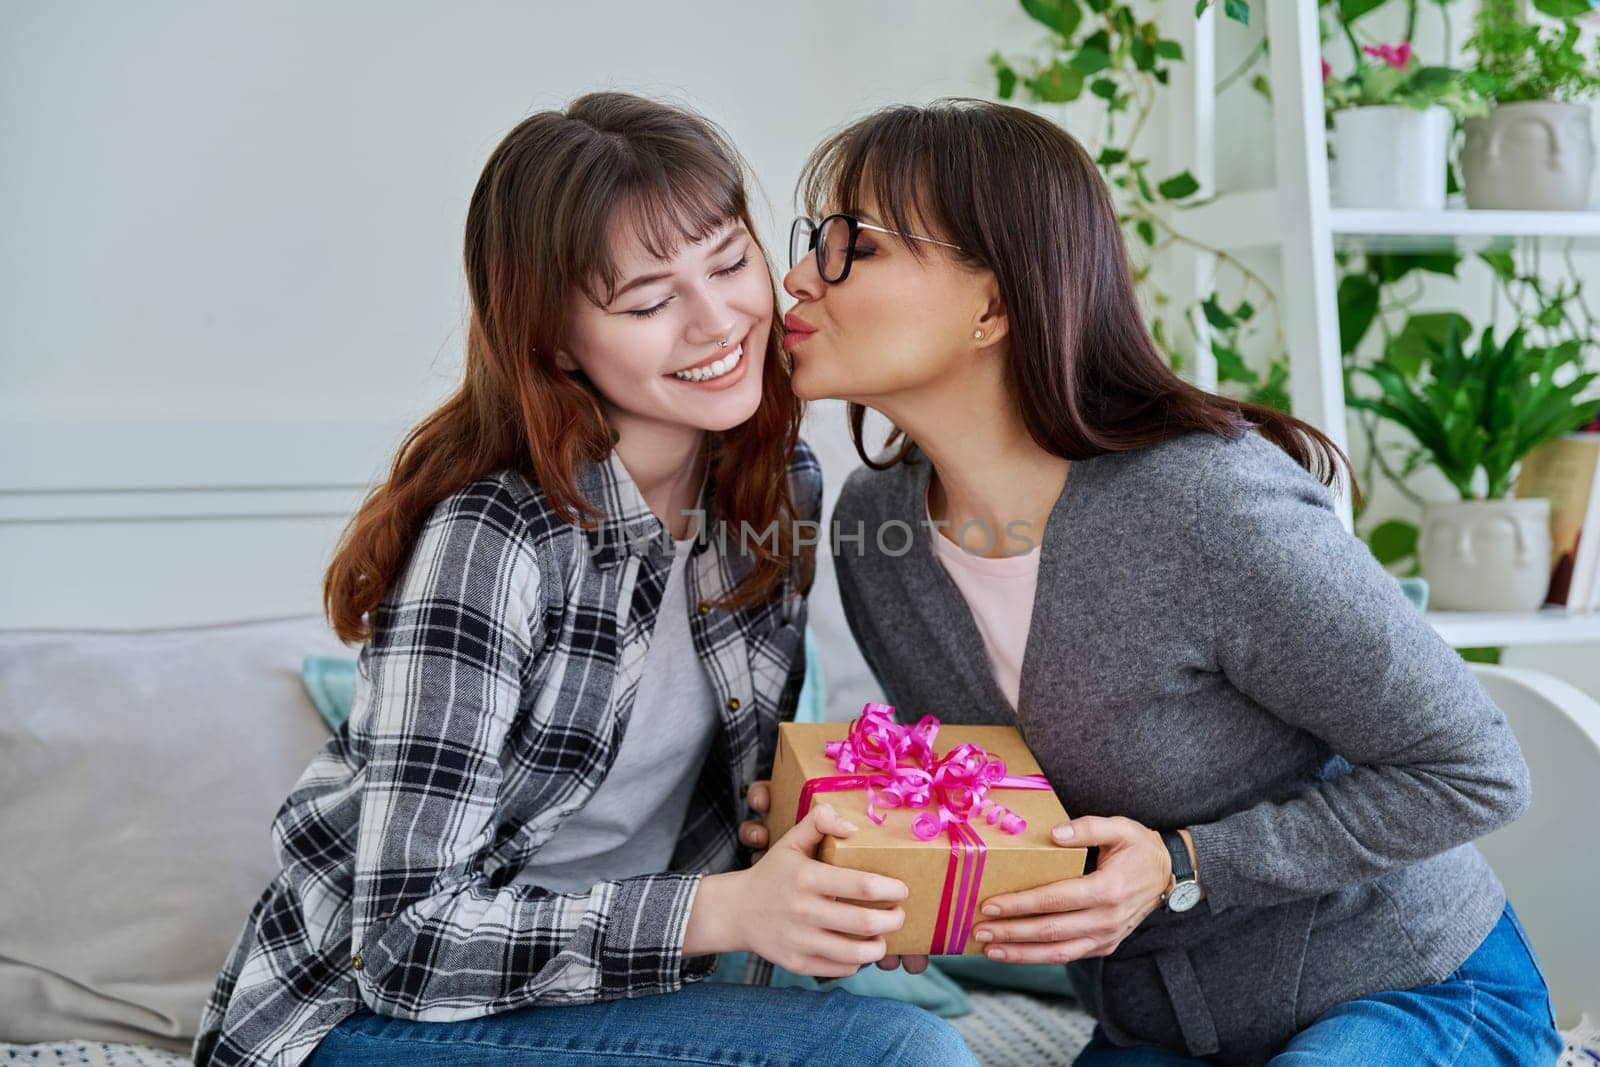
<point x="536" y="233"/>
<point x="1023" y="199"/>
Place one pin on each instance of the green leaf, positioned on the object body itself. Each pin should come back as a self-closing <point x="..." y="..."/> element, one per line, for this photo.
<point x="1231" y="366"/>
<point x="1007" y="85"/>
<point x="1105" y="88"/>
<point x="1005" y="77"/>
<point x="1179" y="186"/>
<point x="1274" y="392"/>
<point x="1058" y="83"/>
<point x="1431" y="79"/>
<point x="1390" y="267"/>
<point x="1563" y="9"/>
<point x="1237" y="10"/>
<point x="1420" y="334"/>
<point x="1169" y="50"/>
<point x="1358" y="306"/>
<point x="1243" y="311"/>
<point x="1350" y="10"/>
<point x="1393" y="541"/>
<point x="1502" y="264"/>
<point x="1214" y="314"/>
<point x="1110" y="157"/>
<point x="1063" y="16"/>
<point x="1091" y="59"/>
<point x="1147" y="231"/>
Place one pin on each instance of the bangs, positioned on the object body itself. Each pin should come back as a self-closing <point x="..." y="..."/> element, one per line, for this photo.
<point x="667" y="204"/>
<point x="884" y="158"/>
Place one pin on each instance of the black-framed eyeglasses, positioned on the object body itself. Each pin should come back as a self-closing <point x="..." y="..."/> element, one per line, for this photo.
<point x="834" y="241"/>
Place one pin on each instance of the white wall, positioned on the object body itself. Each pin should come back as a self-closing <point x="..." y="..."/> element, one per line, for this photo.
<point x="257" y="208"/>
<point x="251" y="213"/>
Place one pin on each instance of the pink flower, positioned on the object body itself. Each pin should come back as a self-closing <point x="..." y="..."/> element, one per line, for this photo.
<point x="1397" y="56"/>
<point x="1326" y="70"/>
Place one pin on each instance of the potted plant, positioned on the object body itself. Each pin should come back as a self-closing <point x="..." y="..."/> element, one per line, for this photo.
<point x="1474" y="415"/>
<point x="1391" y="122"/>
<point x="1533" y="150"/>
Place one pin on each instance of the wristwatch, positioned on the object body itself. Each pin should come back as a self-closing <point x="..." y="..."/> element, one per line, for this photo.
<point x="1184" y="893"/>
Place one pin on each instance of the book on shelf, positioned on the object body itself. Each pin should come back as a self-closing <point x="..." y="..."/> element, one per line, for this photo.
<point x="1567" y="471"/>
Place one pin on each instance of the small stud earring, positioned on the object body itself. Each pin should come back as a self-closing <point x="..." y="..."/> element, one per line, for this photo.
<point x="977" y="335"/>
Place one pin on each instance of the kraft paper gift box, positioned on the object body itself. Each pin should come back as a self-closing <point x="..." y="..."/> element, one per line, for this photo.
<point x="957" y="863"/>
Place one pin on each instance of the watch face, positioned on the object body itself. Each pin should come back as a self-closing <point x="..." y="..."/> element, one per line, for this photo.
<point x="1184" y="896"/>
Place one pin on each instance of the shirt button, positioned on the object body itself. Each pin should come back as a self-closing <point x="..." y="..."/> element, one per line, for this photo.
<point x="733" y="704"/>
<point x="357" y="962"/>
<point x="705" y="609"/>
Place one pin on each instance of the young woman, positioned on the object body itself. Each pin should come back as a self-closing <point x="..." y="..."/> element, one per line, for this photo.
<point x="1150" y="582"/>
<point x="569" y="678"/>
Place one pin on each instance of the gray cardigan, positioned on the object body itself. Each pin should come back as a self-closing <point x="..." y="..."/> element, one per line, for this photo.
<point x="1210" y="648"/>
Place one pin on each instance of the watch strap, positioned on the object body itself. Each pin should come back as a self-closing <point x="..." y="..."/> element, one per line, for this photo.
<point x="1182" y="869"/>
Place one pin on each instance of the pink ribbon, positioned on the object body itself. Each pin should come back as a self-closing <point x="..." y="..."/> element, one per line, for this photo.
<point x="898" y="767"/>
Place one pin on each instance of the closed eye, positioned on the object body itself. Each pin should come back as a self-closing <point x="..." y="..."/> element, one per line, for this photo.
<point x="726" y="272"/>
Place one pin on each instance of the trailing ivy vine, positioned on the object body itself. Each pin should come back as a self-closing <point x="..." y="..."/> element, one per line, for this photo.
<point x="1108" y="51"/>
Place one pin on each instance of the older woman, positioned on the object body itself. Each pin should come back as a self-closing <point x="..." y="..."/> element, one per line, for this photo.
<point x="1280" y="765"/>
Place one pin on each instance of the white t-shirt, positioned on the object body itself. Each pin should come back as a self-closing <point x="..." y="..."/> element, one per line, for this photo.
<point x="630" y="826"/>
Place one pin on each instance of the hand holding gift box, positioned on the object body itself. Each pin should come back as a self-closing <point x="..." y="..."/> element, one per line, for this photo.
<point x="958" y="827"/>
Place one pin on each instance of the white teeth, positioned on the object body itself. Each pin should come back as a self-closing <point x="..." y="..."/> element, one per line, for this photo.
<point x="714" y="370"/>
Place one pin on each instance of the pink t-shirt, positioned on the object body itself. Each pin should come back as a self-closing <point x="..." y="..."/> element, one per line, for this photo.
<point x="999" y="593"/>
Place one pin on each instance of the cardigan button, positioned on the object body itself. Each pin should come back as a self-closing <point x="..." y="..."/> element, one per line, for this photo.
<point x="705" y="609"/>
<point x="733" y="703"/>
<point x="357" y="962"/>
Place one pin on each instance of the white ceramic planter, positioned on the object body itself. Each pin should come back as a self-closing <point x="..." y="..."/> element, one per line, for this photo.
<point x="1486" y="555"/>
<point x="1530" y="156"/>
<point x="1390" y="157"/>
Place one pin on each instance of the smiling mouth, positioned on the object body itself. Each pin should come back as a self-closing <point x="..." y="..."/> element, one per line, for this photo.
<point x="715" y="369"/>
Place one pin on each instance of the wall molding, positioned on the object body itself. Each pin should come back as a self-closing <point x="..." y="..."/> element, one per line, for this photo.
<point x="129" y="524"/>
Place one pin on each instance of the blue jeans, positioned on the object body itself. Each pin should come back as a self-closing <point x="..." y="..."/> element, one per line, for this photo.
<point x="1493" y="1009"/>
<point x="703" y="1022"/>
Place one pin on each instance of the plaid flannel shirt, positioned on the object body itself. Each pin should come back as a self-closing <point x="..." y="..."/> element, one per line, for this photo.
<point x="489" y="703"/>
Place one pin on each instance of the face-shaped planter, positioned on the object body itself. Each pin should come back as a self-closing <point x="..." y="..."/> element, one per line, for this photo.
<point x="1486" y="555"/>
<point x="1531" y="156"/>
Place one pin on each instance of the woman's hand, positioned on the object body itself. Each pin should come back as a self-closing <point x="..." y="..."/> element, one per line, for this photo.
<point x="795" y="910"/>
<point x="753" y="832"/>
<point x="1087" y="916"/>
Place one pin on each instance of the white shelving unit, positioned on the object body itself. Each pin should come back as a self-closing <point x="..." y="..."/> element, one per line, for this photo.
<point x="1297" y="218"/>
<point x="1461" y="228"/>
<point x="1240" y="221"/>
<point x="1548" y="626"/>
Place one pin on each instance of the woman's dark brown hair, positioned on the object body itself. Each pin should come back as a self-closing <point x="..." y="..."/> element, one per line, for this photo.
<point x="537" y="229"/>
<point x="1024" y="200"/>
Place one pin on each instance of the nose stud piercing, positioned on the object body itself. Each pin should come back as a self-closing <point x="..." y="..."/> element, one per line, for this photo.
<point x="722" y="343"/>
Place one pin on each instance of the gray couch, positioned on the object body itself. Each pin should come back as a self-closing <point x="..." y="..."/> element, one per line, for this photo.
<point x="143" y="770"/>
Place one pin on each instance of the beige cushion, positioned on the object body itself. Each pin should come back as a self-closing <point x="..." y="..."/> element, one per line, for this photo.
<point x="139" y="777"/>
